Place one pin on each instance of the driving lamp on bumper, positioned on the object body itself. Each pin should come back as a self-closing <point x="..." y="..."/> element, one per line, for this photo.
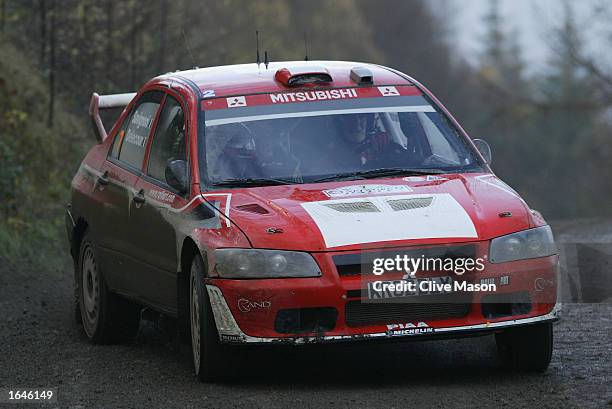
<point x="526" y="244"/>
<point x="254" y="263"/>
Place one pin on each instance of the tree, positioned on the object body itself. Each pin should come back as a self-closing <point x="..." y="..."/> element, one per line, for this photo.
<point x="42" y="5"/>
<point x="52" y="56"/>
<point x="2" y="15"/>
<point x="163" y="34"/>
<point x="568" y="116"/>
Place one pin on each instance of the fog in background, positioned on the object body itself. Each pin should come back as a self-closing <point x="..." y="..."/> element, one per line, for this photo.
<point x="529" y="21"/>
<point x="533" y="78"/>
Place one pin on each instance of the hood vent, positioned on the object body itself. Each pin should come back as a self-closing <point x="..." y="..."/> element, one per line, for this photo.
<point x="252" y="208"/>
<point x="354" y="207"/>
<point x="410" y="204"/>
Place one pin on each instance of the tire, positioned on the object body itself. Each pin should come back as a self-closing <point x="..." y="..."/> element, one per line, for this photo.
<point x="76" y="304"/>
<point x="526" y="348"/>
<point x="105" y="317"/>
<point x="212" y="360"/>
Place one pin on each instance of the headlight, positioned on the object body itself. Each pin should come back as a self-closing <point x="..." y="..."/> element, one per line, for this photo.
<point x="525" y="244"/>
<point x="253" y="263"/>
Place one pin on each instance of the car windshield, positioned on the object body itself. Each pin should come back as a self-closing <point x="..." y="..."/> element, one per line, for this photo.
<point x="299" y="142"/>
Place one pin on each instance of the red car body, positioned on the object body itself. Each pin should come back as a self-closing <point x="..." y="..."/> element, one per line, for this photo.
<point x="161" y="235"/>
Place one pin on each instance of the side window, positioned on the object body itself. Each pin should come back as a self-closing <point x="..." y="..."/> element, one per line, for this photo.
<point x="437" y="140"/>
<point x="131" y="140"/>
<point x="169" y="141"/>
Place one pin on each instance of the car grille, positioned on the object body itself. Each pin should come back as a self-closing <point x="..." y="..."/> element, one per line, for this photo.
<point x="505" y="305"/>
<point x="358" y="313"/>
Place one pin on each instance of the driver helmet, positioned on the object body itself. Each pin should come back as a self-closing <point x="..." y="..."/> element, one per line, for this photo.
<point x="241" y="145"/>
<point x="354" y="127"/>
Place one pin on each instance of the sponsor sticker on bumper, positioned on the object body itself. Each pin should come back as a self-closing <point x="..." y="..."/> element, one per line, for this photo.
<point x="409" y="328"/>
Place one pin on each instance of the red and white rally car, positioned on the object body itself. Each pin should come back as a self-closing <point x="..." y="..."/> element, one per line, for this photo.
<point x="303" y="202"/>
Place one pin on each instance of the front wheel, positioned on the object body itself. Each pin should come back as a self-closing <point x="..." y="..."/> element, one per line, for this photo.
<point x="211" y="359"/>
<point x="526" y="348"/>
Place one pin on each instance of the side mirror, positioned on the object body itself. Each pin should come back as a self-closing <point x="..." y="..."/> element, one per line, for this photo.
<point x="177" y="175"/>
<point x="484" y="149"/>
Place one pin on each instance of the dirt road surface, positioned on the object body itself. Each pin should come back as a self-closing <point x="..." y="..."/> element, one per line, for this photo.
<point x="40" y="346"/>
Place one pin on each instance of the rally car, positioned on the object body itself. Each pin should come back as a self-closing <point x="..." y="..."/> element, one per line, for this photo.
<point x="290" y="203"/>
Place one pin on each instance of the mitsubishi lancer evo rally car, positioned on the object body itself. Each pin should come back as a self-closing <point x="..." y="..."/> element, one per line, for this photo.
<point x="303" y="202"/>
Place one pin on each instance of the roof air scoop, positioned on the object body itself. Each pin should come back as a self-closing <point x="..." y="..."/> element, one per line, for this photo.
<point x="362" y="75"/>
<point x="303" y="76"/>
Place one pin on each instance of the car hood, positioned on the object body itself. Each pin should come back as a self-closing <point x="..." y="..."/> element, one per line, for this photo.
<point x="376" y="213"/>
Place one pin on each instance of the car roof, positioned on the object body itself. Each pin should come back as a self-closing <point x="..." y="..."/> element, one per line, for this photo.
<point x="254" y="78"/>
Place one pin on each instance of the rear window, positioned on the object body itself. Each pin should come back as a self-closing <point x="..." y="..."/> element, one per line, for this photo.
<point x="306" y="135"/>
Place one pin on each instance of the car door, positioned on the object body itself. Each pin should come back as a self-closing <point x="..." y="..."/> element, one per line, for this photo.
<point x="155" y="221"/>
<point x="121" y="171"/>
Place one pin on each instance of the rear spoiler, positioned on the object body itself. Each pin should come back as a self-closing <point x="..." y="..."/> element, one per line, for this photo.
<point x="99" y="102"/>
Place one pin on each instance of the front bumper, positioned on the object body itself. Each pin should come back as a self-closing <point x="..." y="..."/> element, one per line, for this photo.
<point x="252" y="311"/>
<point x="230" y="332"/>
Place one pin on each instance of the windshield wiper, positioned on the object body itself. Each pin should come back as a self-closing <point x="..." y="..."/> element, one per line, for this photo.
<point x="253" y="182"/>
<point x="380" y="172"/>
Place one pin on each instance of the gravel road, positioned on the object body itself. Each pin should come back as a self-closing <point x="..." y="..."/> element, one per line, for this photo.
<point x="40" y="346"/>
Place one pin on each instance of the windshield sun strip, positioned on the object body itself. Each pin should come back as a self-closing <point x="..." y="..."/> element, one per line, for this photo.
<point x="413" y="108"/>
